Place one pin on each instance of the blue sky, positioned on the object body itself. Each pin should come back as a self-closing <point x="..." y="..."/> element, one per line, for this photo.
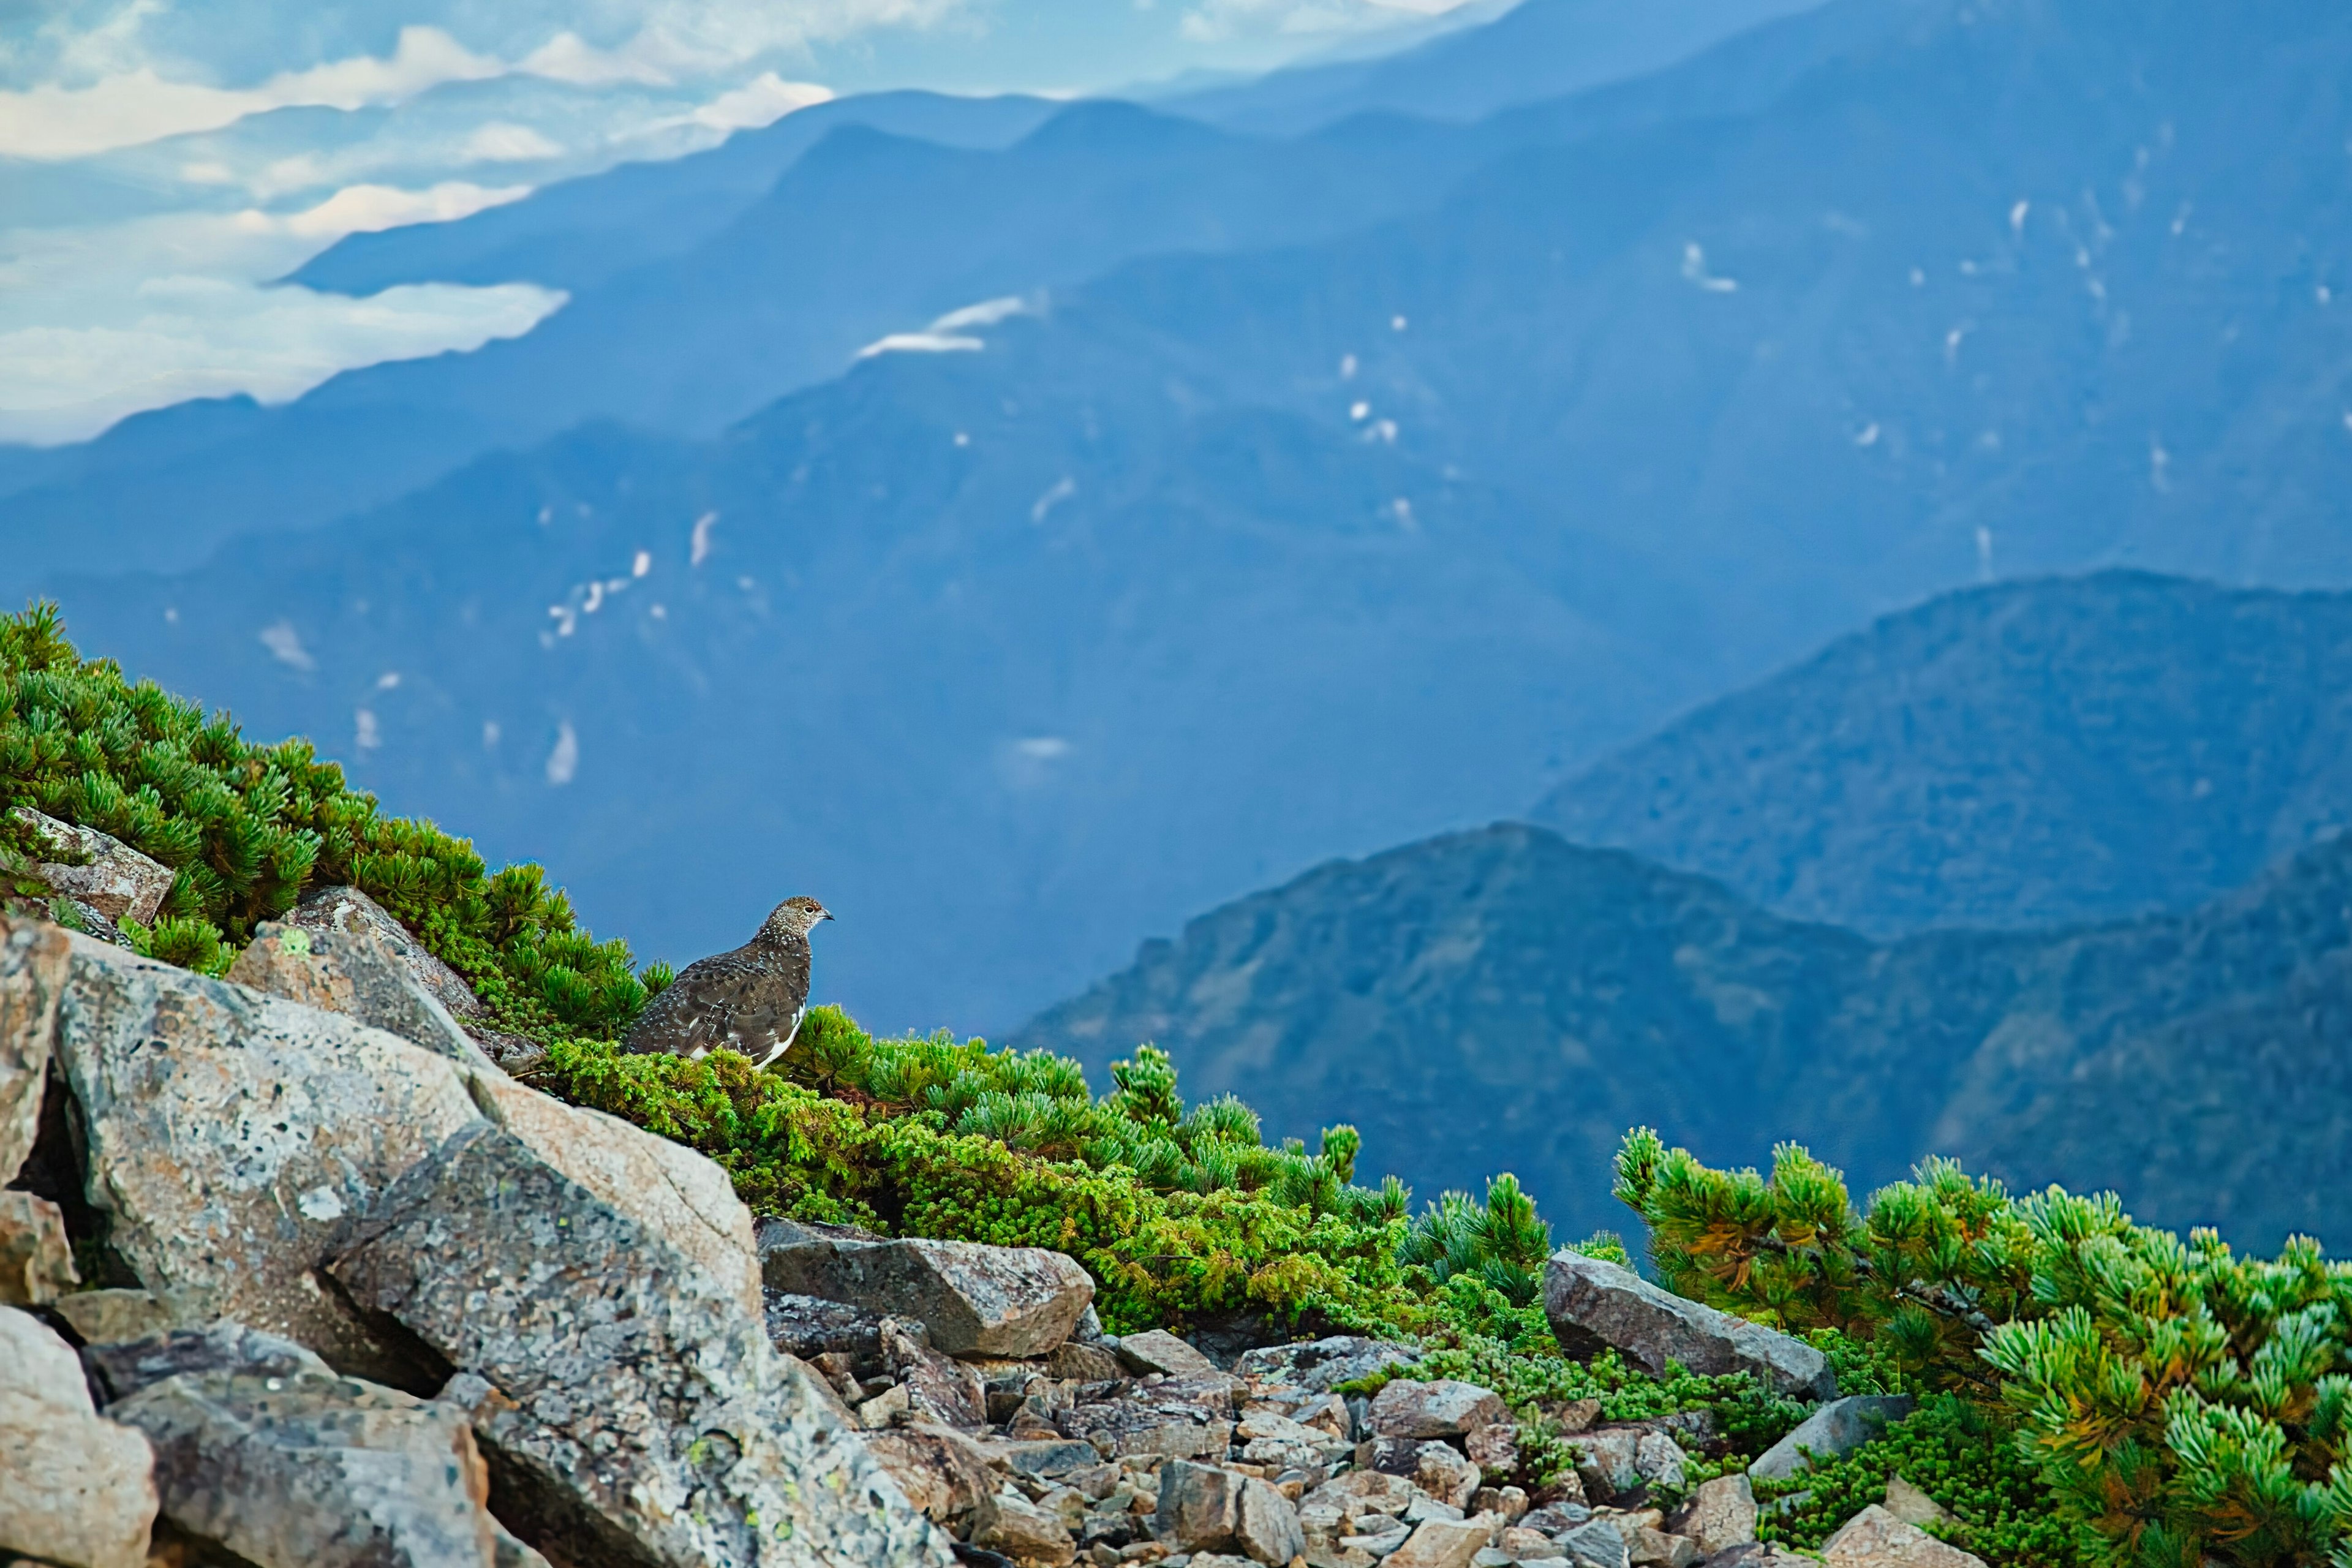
<point x="161" y="160"/>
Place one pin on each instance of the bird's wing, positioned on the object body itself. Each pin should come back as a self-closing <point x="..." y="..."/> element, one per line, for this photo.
<point x="745" y="1000"/>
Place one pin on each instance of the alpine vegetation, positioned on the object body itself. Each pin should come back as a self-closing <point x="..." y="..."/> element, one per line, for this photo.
<point x="351" y="1157"/>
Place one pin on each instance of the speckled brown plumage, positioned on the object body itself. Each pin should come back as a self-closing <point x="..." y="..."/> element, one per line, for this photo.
<point x="750" y="1000"/>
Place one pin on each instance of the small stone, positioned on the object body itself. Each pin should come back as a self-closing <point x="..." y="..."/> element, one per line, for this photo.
<point x="1596" y="1545"/>
<point x="1837" y="1429"/>
<point x="1555" y="1519"/>
<point x="1876" y="1539"/>
<point x="1445" y="1408"/>
<point x="1078" y="1361"/>
<point x="1571" y="1416"/>
<point x="1525" y="1545"/>
<point x="36" y="1258"/>
<point x="1658" y="1460"/>
<point x="109" y="1317"/>
<point x="1592" y="1305"/>
<point x="1720" y="1513"/>
<point x="1443" y="1544"/>
<point x="1161" y="1352"/>
<point x="1045" y="1459"/>
<point x="1911" y="1506"/>
<point x="1320" y="1366"/>
<point x="116" y="881"/>
<point x="938" y="1387"/>
<point x="1493" y="1448"/>
<point x="877" y="1413"/>
<point x="975" y="1299"/>
<point x="1008" y="1522"/>
<point x="1492" y="1557"/>
<point x="1648" y="1547"/>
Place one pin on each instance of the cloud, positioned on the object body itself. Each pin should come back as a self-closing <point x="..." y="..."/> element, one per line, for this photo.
<point x="1215" y="21"/>
<point x="122" y="109"/>
<point x="102" y="321"/>
<point x="503" y="142"/>
<point x="152" y="68"/>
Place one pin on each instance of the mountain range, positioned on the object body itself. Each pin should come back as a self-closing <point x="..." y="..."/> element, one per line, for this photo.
<point x="1505" y="997"/>
<point x="2033" y="753"/>
<point x="1024" y="544"/>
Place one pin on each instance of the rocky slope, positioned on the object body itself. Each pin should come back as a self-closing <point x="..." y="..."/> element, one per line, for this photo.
<point x="285" y="1289"/>
<point x="2027" y="754"/>
<point x="1505" y="991"/>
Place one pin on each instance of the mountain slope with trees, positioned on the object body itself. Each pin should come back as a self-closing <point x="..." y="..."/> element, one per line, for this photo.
<point x="2023" y="754"/>
<point x="1504" y="989"/>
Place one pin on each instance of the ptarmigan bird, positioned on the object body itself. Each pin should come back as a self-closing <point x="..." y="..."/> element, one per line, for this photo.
<point x="750" y="1000"/>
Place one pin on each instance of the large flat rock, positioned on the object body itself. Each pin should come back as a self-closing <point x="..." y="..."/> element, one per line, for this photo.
<point x="307" y="1470"/>
<point x="974" y="1298"/>
<point x="638" y="1414"/>
<point x="1595" y="1305"/>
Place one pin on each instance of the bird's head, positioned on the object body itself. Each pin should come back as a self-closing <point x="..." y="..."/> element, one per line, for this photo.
<point x="794" y="917"/>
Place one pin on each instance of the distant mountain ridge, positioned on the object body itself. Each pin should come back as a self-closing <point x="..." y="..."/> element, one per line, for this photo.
<point x="2028" y="754"/>
<point x="1503" y="990"/>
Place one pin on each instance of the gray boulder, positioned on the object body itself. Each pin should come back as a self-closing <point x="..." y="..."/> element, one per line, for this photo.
<point x="121" y="1370"/>
<point x="112" y="877"/>
<point x="275" y="1459"/>
<point x="1181" y="1418"/>
<point x="975" y="1299"/>
<point x="33" y="962"/>
<point x="640" y="1414"/>
<point x="1595" y="1305"/>
<point x="1837" y="1429"/>
<point x="1161" y="1352"/>
<point x="229" y="1135"/>
<point x="1205" y="1508"/>
<point x="350" y="910"/>
<point x="349" y="972"/>
<point x="78" y="1490"/>
<point x="1445" y="1408"/>
<point x="1721" y="1513"/>
<point x="1320" y="1365"/>
<point x="811" y="1326"/>
<point x="1596" y="1545"/>
<point x="1876" y="1539"/>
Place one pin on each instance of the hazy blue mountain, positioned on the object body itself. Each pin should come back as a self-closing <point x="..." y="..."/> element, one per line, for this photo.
<point x="1008" y="656"/>
<point x="1373" y="528"/>
<point x="2023" y="755"/>
<point x="1507" y="990"/>
<point x="864" y="235"/>
<point x="1539" y="50"/>
<point x="578" y="233"/>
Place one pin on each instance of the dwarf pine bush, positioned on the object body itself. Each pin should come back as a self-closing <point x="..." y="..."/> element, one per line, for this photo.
<point x="2178" y="1403"/>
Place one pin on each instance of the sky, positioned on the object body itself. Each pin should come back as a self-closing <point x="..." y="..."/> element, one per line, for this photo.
<point x="162" y="162"/>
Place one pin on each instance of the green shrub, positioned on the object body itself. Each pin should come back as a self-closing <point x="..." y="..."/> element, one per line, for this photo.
<point x="247" y="829"/>
<point x="2180" y="1402"/>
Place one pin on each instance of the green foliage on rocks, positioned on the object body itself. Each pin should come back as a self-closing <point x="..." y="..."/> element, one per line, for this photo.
<point x="247" y="829"/>
<point x="1957" y="1454"/>
<point x="2176" y="1401"/>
